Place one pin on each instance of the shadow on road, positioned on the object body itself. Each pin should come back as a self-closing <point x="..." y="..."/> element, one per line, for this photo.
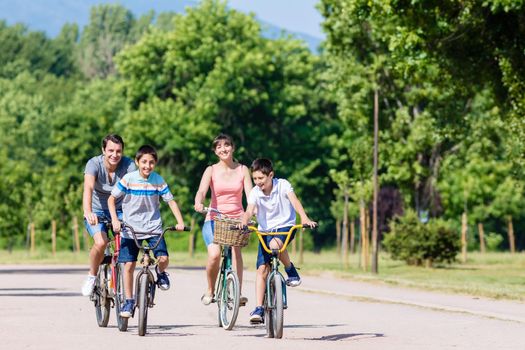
<point x="345" y="336"/>
<point x="71" y="270"/>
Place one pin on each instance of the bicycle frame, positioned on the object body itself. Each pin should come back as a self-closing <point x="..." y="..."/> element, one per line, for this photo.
<point x="275" y="297"/>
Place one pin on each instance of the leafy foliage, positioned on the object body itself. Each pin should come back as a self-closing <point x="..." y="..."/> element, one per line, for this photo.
<point x="421" y="244"/>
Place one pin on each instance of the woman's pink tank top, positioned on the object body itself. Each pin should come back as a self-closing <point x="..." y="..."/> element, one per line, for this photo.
<point x="226" y="196"/>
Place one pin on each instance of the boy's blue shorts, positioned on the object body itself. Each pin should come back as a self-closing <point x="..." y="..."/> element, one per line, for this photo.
<point x="93" y="229"/>
<point x="262" y="256"/>
<point x="129" y="250"/>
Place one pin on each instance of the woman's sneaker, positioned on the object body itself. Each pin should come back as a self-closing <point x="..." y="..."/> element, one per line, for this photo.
<point x="293" y="277"/>
<point x="127" y="309"/>
<point x="257" y="315"/>
<point x="163" y="280"/>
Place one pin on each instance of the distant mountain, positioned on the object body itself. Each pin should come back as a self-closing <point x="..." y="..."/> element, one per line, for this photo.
<point x="50" y="15"/>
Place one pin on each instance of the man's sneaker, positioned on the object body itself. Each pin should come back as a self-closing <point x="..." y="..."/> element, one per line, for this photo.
<point x="162" y="280"/>
<point x="207" y="298"/>
<point x="127" y="309"/>
<point x="89" y="284"/>
<point x="257" y="315"/>
<point x="243" y="301"/>
<point x="293" y="277"/>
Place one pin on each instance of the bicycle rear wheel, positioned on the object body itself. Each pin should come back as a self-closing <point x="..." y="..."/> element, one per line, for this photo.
<point x="230" y="300"/>
<point x="101" y="295"/>
<point x="278" y="311"/>
<point x="120" y="297"/>
<point x="142" y="301"/>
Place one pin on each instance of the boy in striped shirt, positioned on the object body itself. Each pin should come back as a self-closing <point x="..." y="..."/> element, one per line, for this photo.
<point x="141" y="191"/>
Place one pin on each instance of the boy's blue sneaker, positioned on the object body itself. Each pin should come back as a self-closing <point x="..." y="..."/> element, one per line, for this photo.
<point x="162" y="280"/>
<point x="127" y="309"/>
<point x="257" y="315"/>
<point x="293" y="276"/>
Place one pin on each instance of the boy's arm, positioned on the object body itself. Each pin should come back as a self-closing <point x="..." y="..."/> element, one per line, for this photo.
<point x="87" y="196"/>
<point x="247" y="214"/>
<point x="178" y="216"/>
<point x="115" y="222"/>
<point x="203" y="189"/>
<point x="300" y="210"/>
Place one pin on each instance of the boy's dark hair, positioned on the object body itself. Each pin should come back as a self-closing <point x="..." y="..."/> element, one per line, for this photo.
<point x="113" y="138"/>
<point x="222" y="137"/>
<point x="146" y="149"/>
<point x="263" y="165"/>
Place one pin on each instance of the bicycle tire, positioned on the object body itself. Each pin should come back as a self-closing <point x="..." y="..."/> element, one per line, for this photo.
<point x="218" y="293"/>
<point x="102" y="299"/>
<point x="143" y="303"/>
<point x="230" y="301"/>
<point x="278" y="311"/>
<point x="120" y="297"/>
<point x="268" y="314"/>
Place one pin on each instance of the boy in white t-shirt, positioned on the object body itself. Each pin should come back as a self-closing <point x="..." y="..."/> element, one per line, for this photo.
<point x="276" y="205"/>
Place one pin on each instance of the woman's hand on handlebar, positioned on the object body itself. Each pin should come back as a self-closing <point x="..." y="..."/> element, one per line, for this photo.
<point x="199" y="207"/>
<point x="180" y="227"/>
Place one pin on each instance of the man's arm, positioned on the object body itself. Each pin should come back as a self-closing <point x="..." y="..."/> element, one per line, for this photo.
<point x="87" y="196"/>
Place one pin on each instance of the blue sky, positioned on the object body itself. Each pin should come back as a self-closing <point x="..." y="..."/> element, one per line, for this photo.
<point x="294" y="15"/>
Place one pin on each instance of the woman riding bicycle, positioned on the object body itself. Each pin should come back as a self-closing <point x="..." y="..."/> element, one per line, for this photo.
<point x="227" y="178"/>
<point x="276" y="205"/>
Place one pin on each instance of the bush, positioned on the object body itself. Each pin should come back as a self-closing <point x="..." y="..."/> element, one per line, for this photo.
<point x="493" y="241"/>
<point x="417" y="243"/>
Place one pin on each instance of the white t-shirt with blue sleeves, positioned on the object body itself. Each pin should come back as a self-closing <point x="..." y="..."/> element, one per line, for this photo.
<point x="276" y="210"/>
<point x="141" y="202"/>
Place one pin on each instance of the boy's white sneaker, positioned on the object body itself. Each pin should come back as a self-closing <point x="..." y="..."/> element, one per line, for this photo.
<point x="89" y="284"/>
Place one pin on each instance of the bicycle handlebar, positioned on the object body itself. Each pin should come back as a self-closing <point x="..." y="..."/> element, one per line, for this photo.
<point x="260" y="234"/>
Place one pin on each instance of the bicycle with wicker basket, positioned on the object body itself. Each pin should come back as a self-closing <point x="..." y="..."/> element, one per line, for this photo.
<point x="227" y="291"/>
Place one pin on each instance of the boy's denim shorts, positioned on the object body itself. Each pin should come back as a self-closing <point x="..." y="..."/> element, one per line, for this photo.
<point x="93" y="229"/>
<point x="129" y="250"/>
<point x="263" y="257"/>
<point x="208" y="230"/>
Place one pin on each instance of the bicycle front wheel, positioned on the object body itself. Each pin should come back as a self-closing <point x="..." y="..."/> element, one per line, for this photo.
<point x="278" y="311"/>
<point x="144" y="287"/>
<point x="102" y="299"/>
<point x="230" y="300"/>
<point x="120" y="297"/>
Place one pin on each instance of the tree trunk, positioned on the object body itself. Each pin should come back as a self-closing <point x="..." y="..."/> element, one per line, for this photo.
<point x="33" y="243"/>
<point x="338" y="235"/>
<point x="481" y="233"/>
<point x="76" y="241"/>
<point x="362" y="216"/>
<point x="510" y="232"/>
<point x="464" y="228"/>
<point x="352" y="236"/>
<point x="191" y="239"/>
<point x="345" y="232"/>
<point x="53" y="237"/>
<point x="375" y="248"/>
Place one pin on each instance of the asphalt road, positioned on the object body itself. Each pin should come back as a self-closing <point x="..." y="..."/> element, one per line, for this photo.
<point x="41" y="308"/>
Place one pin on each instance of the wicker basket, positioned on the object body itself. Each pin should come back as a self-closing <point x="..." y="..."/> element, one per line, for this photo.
<point x="225" y="236"/>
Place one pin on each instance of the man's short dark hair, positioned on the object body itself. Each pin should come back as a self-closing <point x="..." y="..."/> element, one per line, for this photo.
<point x="263" y="165"/>
<point x="146" y="149"/>
<point x="113" y="138"/>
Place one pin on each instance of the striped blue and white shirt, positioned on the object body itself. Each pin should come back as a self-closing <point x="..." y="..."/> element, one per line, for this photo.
<point x="141" y="202"/>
